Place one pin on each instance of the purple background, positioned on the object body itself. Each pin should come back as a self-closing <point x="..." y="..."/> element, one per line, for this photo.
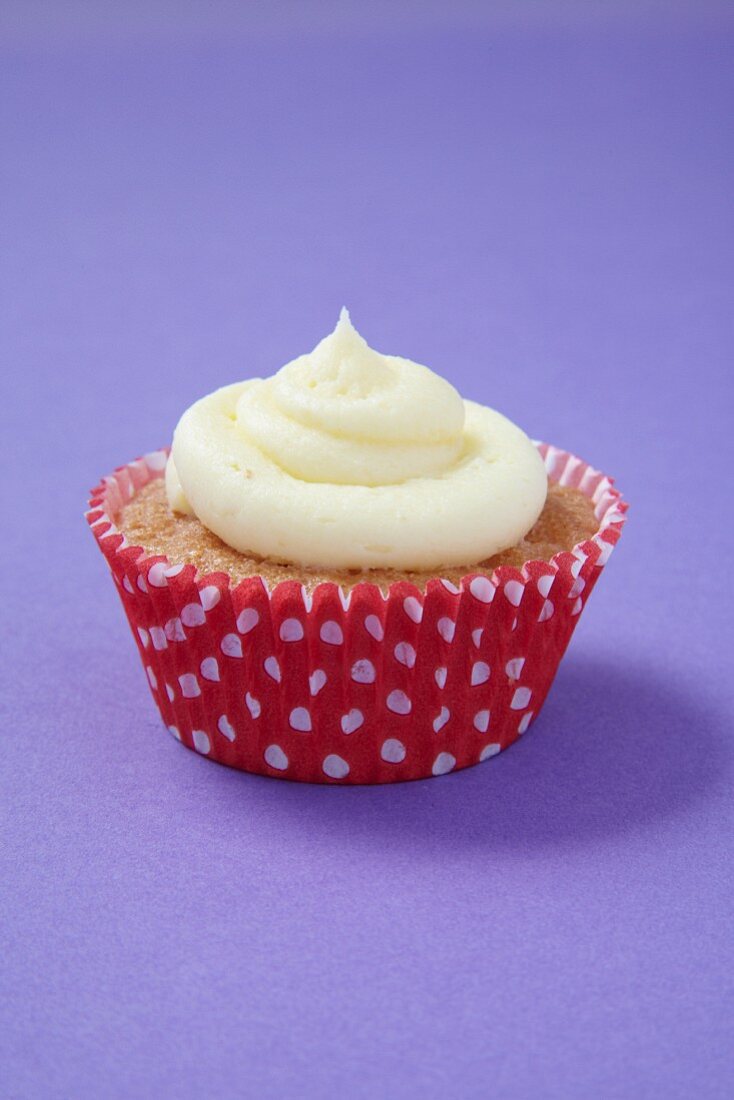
<point x="536" y="200"/>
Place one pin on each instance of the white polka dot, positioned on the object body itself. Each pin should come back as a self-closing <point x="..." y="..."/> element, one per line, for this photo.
<point x="481" y="721"/>
<point x="576" y="588"/>
<point x="413" y="608"/>
<point x="489" y="750"/>
<point x="300" y="719"/>
<point x="604" y="551"/>
<point x="521" y="698"/>
<point x="144" y="637"/>
<point x="393" y="751"/>
<point x="252" y="705"/>
<point x="276" y="758"/>
<point x="352" y="720"/>
<point x="405" y="654"/>
<point x="291" y="630"/>
<point x="363" y="672"/>
<point x="577" y="565"/>
<point x="174" y="630"/>
<point x="210" y="669"/>
<point x="482" y="589"/>
<point x="193" y="615"/>
<point x="157" y="574"/>
<point x="331" y="633"/>
<point x="174" y="570"/>
<point x="398" y="702"/>
<point x="373" y="626"/>
<point x="158" y="638"/>
<point x="316" y="681"/>
<point x="202" y="743"/>
<point x="450" y="586"/>
<point x="513" y="592"/>
<point x="209" y="596"/>
<point x="247" y="619"/>
<point x="546" y="611"/>
<point x="231" y="646"/>
<point x="441" y="719"/>
<point x="525" y="722"/>
<point x="443" y="763"/>
<point x="272" y="668"/>
<point x="514" y="667"/>
<point x="479" y="673"/>
<point x="111" y="529"/>
<point x="545" y="583"/>
<point x="173" y="730"/>
<point x="476" y="637"/>
<point x="151" y="677"/>
<point x="225" y="727"/>
<point x="577" y="606"/>
<point x="127" y="586"/>
<point x="335" y="767"/>
<point x="189" y="685"/>
<point x="170" y="693"/>
<point x="142" y="583"/>
<point x="446" y="628"/>
<point x="440" y="676"/>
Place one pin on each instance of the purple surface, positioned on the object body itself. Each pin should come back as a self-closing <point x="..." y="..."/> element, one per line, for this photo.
<point x="539" y="206"/>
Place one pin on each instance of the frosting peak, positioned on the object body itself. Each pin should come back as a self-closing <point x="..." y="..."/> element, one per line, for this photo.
<point x="341" y="365"/>
<point x="353" y="459"/>
<point x="347" y="415"/>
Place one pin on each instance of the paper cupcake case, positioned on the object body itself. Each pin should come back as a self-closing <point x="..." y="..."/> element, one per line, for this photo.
<point x="352" y="687"/>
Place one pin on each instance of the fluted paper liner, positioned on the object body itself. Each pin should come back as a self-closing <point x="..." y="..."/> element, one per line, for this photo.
<point x="352" y="687"/>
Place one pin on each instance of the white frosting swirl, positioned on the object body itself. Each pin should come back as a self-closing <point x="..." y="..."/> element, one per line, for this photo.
<point x="349" y="459"/>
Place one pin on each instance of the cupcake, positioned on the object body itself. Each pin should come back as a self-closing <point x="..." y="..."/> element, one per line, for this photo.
<point x="346" y="573"/>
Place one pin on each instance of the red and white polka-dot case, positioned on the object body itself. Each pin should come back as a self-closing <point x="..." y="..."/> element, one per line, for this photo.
<point x="352" y="687"/>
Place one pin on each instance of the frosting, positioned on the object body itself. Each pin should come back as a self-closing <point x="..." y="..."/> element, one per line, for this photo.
<point x="349" y="459"/>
